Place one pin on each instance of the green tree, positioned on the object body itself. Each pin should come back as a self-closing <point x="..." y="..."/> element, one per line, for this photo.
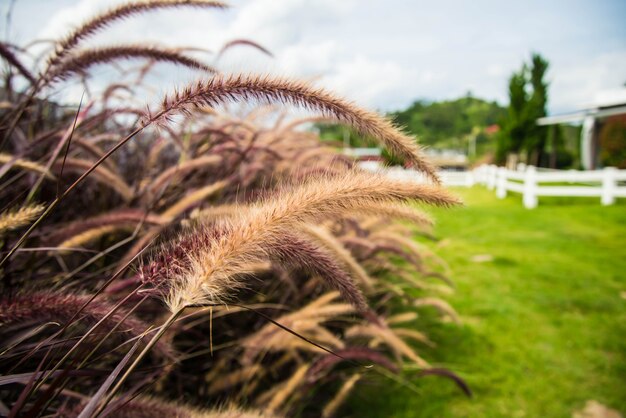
<point x="528" y="98"/>
<point x="448" y="123"/>
<point x="515" y="125"/>
<point x="535" y="143"/>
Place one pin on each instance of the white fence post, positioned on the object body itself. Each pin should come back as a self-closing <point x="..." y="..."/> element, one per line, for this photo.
<point x="608" y="186"/>
<point x="501" y="183"/>
<point x="480" y="174"/>
<point x="470" y="179"/>
<point x="530" y="188"/>
<point x="491" y="177"/>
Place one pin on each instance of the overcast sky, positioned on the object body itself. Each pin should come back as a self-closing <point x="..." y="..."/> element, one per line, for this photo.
<point x="382" y="53"/>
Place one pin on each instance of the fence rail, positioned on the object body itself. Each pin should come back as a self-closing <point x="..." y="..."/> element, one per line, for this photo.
<point x="531" y="183"/>
<point x="449" y="178"/>
<point x="607" y="184"/>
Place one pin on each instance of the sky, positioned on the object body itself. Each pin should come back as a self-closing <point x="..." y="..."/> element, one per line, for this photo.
<point x="383" y="54"/>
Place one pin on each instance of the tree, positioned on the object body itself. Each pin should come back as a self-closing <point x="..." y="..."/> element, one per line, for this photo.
<point x="535" y="143"/>
<point x="446" y="124"/>
<point x="528" y="97"/>
<point x="515" y="126"/>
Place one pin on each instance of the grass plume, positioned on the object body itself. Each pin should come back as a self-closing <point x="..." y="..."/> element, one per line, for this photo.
<point x="222" y="89"/>
<point x="124" y="11"/>
<point x="215" y="267"/>
<point x="16" y="218"/>
<point x="59" y="307"/>
<point x="80" y="62"/>
<point x="275" y="256"/>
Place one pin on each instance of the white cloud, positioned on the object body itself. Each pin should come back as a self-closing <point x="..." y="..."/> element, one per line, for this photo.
<point x="71" y="16"/>
<point x="384" y="54"/>
<point x="495" y="70"/>
<point x="582" y="81"/>
<point x="383" y="84"/>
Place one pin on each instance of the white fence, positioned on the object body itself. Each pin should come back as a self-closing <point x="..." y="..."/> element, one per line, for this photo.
<point x="529" y="181"/>
<point x="448" y="178"/>
<point x="533" y="183"/>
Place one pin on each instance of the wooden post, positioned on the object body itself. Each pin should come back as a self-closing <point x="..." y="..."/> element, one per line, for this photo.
<point x="608" y="186"/>
<point x="530" y="188"/>
<point x="501" y="183"/>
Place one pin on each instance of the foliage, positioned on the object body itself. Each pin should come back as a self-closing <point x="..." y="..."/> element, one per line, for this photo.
<point x="528" y="97"/>
<point x="516" y="126"/>
<point x="181" y="252"/>
<point x="447" y="124"/>
<point x="536" y="142"/>
<point x="613" y="142"/>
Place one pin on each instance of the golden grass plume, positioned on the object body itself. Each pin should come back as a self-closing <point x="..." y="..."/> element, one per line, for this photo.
<point x="214" y="267"/>
<point x="16" y="218"/>
<point x="222" y="89"/>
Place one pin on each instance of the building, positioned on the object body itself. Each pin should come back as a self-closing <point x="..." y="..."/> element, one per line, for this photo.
<point x="606" y="105"/>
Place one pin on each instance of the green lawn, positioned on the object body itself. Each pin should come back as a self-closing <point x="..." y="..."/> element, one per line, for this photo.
<point x="544" y="322"/>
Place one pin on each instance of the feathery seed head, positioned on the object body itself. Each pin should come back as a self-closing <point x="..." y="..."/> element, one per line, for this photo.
<point x="16" y="218"/>
<point x="263" y="88"/>
<point x="211" y="268"/>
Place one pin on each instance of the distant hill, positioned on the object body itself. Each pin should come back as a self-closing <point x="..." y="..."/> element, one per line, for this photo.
<point x="440" y="125"/>
<point x="447" y="124"/>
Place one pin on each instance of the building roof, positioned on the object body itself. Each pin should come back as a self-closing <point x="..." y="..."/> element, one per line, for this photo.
<point x="606" y="103"/>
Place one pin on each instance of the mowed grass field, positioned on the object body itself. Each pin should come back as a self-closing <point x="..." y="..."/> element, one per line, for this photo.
<point x="542" y="297"/>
